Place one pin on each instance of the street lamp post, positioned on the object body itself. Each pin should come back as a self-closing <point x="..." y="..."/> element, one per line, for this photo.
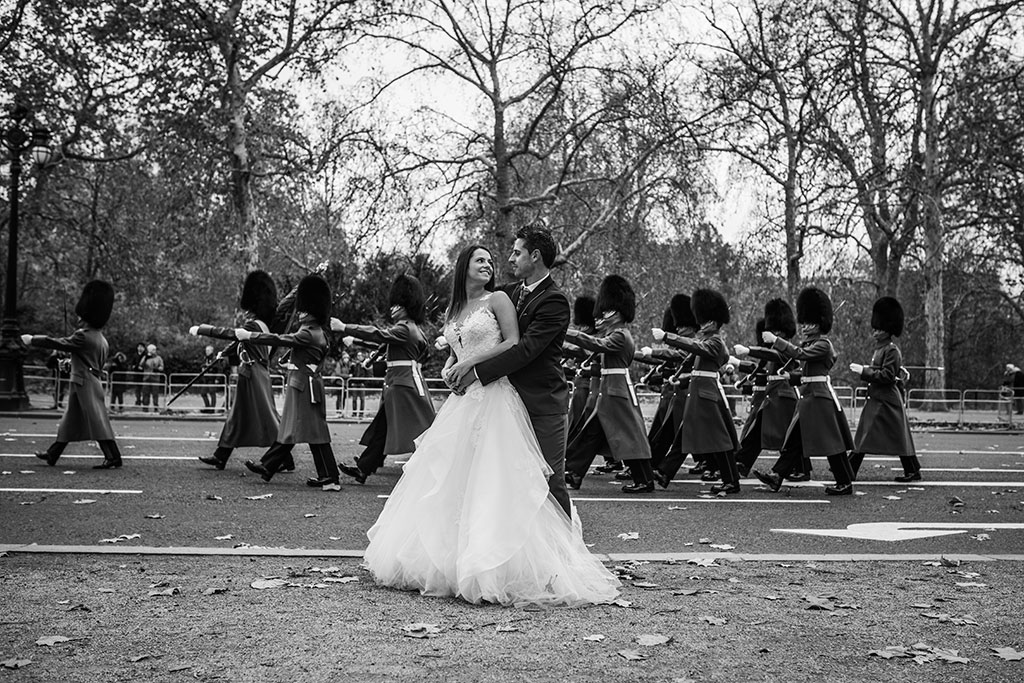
<point x="18" y="139"/>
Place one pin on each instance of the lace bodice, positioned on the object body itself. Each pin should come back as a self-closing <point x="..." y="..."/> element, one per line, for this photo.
<point x="479" y="332"/>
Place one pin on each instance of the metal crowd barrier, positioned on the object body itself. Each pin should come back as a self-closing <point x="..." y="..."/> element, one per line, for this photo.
<point x="358" y="398"/>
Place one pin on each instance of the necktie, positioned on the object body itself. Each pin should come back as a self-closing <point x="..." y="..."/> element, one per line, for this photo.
<point x="523" y="292"/>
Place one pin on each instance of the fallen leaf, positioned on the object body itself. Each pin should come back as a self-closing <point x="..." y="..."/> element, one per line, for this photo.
<point x="715" y="621"/>
<point x="154" y="516"/>
<point x="703" y="562"/>
<point x="723" y="546"/>
<point x="1008" y="653"/>
<point x="676" y="507"/>
<point x="893" y="498"/>
<point x="106" y="590"/>
<point x="772" y="597"/>
<point x="975" y="584"/>
<point x="262" y="497"/>
<point x="178" y="667"/>
<point x="630" y="536"/>
<point x="308" y="515"/>
<point x="52" y="640"/>
<point x="596" y="638"/>
<point x="631" y="655"/>
<point x="341" y="579"/>
<point x="225" y="537"/>
<point x="165" y="592"/>
<point x="26" y="472"/>
<point x="264" y="584"/>
<point x="420" y="630"/>
<point x="704" y="541"/>
<point x="644" y="584"/>
<point x="506" y="629"/>
<point x="981" y="537"/>
<point x="815" y="602"/>
<point x="215" y="591"/>
<point x="652" y="639"/>
<point x="139" y="658"/>
<point x="212" y="497"/>
<point x="890" y="652"/>
<point x="619" y="602"/>
<point x="14" y="663"/>
<point x="83" y="501"/>
<point x="67" y="472"/>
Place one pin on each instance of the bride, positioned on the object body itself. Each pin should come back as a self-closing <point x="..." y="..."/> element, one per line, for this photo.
<point x="472" y="516"/>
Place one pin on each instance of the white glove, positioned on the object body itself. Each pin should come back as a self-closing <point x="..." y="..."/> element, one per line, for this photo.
<point x="856" y="368"/>
<point x="337" y="325"/>
<point x="741" y="350"/>
<point x="348" y="341"/>
<point x="194" y="330"/>
<point x="658" y="334"/>
<point x="441" y="343"/>
<point x="26" y="339"/>
<point x="769" y="337"/>
<point x="734" y="361"/>
<point x="646" y="350"/>
<point x="242" y="334"/>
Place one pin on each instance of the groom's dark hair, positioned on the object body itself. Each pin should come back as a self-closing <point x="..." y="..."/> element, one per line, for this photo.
<point x="538" y="238"/>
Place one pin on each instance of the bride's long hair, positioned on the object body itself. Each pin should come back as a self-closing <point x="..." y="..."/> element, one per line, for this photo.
<point x="458" y="299"/>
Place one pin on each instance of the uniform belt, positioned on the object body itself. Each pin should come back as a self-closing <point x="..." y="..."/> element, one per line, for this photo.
<point x="777" y="378"/>
<point x="759" y="388"/>
<point x="417" y="378"/>
<point x="827" y="381"/>
<point x="629" y="382"/>
<point x="704" y="373"/>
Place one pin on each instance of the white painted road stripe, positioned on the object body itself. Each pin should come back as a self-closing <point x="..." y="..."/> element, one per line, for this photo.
<point x="70" y="491"/>
<point x="776" y="501"/>
<point x="610" y="557"/>
<point x="120" y="437"/>
<point x="99" y="455"/>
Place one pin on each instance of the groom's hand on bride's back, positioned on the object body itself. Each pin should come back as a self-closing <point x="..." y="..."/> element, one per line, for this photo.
<point x="463" y="379"/>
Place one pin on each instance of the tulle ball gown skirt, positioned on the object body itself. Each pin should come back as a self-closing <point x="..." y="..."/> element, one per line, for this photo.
<point x="472" y="517"/>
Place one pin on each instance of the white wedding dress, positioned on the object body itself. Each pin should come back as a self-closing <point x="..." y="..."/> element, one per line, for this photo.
<point x="472" y="516"/>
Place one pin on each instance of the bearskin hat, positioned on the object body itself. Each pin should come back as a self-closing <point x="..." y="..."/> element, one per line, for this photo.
<point x="778" y="318"/>
<point x="259" y="296"/>
<point x="681" y="312"/>
<point x="407" y="292"/>
<point x="96" y="303"/>
<point x="708" y="305"/>
<point x="759" y="327"/>
<point x="314" y="298"/>
<point x="583" y="311"/>
<point x="814" y="307"/>
<point x="616" y="295"/>
<point x="668" y="321"/>
<point x="887" y="315"/>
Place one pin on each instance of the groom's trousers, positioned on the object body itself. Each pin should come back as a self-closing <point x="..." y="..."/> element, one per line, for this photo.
<point x="551" y="431"/>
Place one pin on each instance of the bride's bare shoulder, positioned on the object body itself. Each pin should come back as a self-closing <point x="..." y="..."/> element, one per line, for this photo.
<point x="499" y="300"/>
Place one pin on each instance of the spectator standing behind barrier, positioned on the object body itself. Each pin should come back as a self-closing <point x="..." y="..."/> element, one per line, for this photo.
<point x="344" y="373"/>
<point x="1007" y="391"/>
<point x="117" y="377"/>
<point x="727" y="377"/>
<point x="136" y="367"/>
<point x="152" y="378"/>
<point x="60" y="364"/>
<point x="208" y="386"/>
<point x="358" y="386"/>
<point x="1018" y="390"/>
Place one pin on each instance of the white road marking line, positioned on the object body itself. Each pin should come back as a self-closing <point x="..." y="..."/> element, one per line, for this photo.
<point x="900" y="531"/>
<point x="121" y="437"/>
<point x="70" y="491"/>
<point x="99" y="455"/>
<point x="962" y="469"/>
<point x="922" y="484"/>
<point x="775" y="501"/>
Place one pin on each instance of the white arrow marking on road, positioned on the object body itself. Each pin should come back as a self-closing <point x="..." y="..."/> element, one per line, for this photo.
<point x="775" y="501"/>
<point x="899" y="531"/>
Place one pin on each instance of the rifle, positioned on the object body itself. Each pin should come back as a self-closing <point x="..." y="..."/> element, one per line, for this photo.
<point x="226" y="351"/>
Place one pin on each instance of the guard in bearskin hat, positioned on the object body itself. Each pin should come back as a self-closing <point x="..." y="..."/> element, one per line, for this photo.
<point x="252" y="419"/>
<point x="304" y="419"/>
<point x="769" y="419"/>
<point x="884" y="428"/>
<point x="616" y="425"/>
<point x="85" y="418"/>
<point x="819" y="426"/>
<point x="707" y="430"/>
<point x="407" y="408"/>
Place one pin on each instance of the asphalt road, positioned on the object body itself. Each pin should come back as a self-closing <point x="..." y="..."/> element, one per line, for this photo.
<point x="974" y="481"/>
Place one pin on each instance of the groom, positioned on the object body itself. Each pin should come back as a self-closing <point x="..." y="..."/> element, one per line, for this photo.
<point x="534" y="365"/>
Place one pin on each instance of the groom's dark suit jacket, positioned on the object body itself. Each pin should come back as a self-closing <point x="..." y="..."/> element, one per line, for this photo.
<point x="534" y="365"/>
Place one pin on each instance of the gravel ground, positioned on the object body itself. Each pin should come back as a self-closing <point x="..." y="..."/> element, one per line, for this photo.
<point x="744" y="621"/>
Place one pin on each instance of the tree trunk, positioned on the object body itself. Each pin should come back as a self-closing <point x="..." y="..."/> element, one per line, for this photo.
<point x="794" y="243"/>
<point x="934" y="240"/>
<point x="241" y="169"/>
